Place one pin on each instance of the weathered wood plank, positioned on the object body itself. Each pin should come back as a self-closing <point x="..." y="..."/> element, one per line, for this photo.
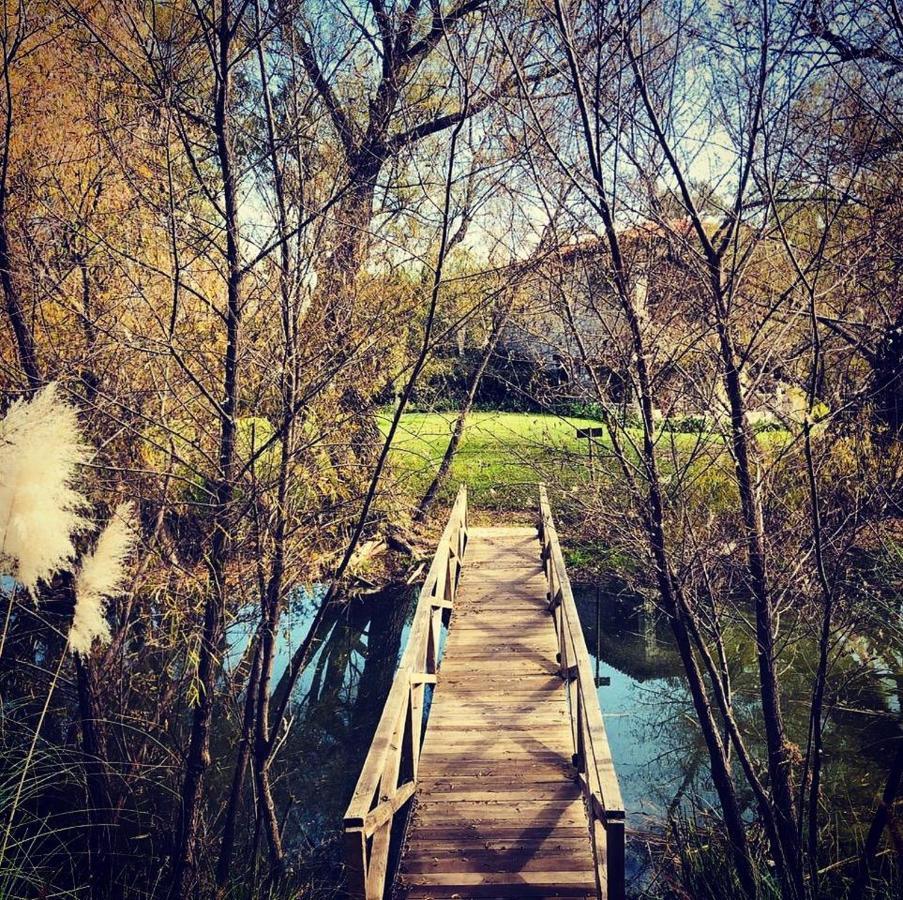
<point x="491" y="815"/>
<point x="489" y="892"/>
<point x="524" y="793"/>
<point x="551" y="880"/>
<point x="524" y="722"/>
<point x="497" y="782"/>
<point x="552" y="845"/>
<point x="522" y="859"/>
<point x="454" y="835"/>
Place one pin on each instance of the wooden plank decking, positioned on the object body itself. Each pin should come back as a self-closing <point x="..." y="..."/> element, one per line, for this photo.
<point x="499" y="811"/>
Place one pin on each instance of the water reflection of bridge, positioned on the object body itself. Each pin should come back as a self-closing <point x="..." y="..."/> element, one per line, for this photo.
<point x="623" y="629"/>
<point x="510" y="779"/>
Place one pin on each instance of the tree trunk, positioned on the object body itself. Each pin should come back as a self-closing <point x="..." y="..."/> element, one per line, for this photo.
<point x="339" y="295"/>
<point x="473" y="386"/>
<point x="721" y="773"/>
<point x="652" y="505"/>
<point x="97" y="775"/>
<point x="264" y="741"/>
<point x="227" y="846"/>
<point x="25" y="347"/>
<point x="198" y="758"/>
<point x="732" y="733"/>
<point x="779" y="764"/>
<point x="273" y="599"/>
<point x="887" y="383"/>
<point x="882" y="816"/>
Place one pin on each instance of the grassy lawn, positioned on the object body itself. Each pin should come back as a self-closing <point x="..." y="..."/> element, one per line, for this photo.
<point x="501" y="456"/>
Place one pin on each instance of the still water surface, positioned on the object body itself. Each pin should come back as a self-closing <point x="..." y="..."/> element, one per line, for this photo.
<point x="660" y="760"/>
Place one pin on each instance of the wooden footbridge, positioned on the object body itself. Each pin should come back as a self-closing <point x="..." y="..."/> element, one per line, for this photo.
<point x="508" y="789"/>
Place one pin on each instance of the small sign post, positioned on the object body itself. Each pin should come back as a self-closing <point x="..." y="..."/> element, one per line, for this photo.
<point x="589" y="434"/>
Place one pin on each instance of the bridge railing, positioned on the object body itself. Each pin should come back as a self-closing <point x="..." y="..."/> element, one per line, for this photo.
<point x="592" y="755"/>
<point x="388" y="778"/>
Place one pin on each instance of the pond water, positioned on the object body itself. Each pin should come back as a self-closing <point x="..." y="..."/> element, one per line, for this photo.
<point x="336" y="706"/>
<point x="660" y="759"/>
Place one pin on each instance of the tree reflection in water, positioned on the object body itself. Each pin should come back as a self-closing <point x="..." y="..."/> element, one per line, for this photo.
<point x="336" y="707"/>
<point x="658" y="751"/>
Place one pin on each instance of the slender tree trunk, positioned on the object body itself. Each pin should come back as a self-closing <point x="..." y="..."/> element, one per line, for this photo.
<point x="25" y="347"/>
<point x="264" y="741"/>
<point x="887" y="383"/>
<point x="227" y="845"/>
<point x="473" y="386"/>
<point x="814" y="748"/>
<point x="198" y="759"/>
<point x="779" y="763"/>
<point x="720" y="768"/>
<point x="101" y="809"/>
<point x="742" y="446"/>
<point x="273" y="599"/>
<point x="653" y="512"/>
<point x="882" y="816"/>
<point x="815" y="752"/>
<point x="90" y="378"/>
<point x="653" y="518"/>
<point x="733" y="734"/>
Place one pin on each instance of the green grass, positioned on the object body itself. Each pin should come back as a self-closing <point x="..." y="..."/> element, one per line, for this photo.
<point x="502" y="455"/>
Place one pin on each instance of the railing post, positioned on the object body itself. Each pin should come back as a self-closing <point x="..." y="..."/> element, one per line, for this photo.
<point x="356" y="864"/>
<point x="448" y="589"/>
<point x="563" y="660"/>
<point x="412" y="728"/>
<point x="614" y="852"/>
<point x="432" y="644"/>
<point x="431" y="663"/>
<point x="580" y="755"/>
<point x="592" y="754"/>
<point x="394" y="754"/>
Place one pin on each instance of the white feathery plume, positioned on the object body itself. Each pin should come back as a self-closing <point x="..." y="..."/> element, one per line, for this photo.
<point x="41" y="447"/>
<point x="101" y="575"/>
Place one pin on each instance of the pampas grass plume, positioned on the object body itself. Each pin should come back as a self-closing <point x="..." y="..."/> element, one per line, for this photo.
<point x="41" y="447"/>
<point x="101" y="575"/>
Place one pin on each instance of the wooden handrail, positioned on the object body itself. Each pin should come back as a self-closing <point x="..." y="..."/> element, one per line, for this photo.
<point x="388" y="778"/>
<point x="592" y="755"/>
